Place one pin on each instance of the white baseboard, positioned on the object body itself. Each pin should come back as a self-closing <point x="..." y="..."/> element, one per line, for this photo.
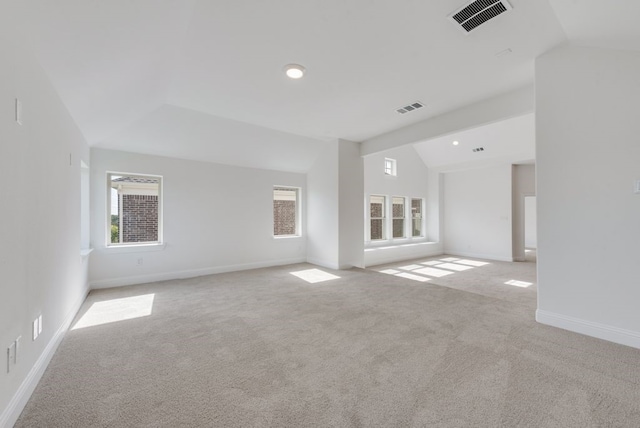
<point x="190" y="273"/>
<point x="478" y="255"/>
<point x="323" y="263"/>
<point x="593" y="329"/>
<point x="13" y="410"/>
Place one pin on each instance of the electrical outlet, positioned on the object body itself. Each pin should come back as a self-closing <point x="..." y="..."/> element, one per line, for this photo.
<point x="140" y="261"/>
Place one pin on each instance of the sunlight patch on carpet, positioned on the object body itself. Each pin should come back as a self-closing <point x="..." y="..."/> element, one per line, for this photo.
<point x="413" y="277"/>
<point x="313" y="276"/>
<point x="454" y="266"/>
<point x="115" y="310"/>
<point x="410" y="267"/>
<point x="516" y="283"/>
<point x="433" y="272"/>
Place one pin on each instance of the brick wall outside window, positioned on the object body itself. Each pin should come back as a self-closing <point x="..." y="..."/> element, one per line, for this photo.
<point x="376" y="229"/>
<point x="397" y="207"/>
<point x="139" y="218"/>
<point x="284" y="217"/>
<point x="376" y="210"/>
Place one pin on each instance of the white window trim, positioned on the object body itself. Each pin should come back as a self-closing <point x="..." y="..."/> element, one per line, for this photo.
<point x="404" y="217"/>
<point x="298" y="233"/>
<point x="394" y="167"/>
<point x="422" y="219"/>
<point x="134" y="246"/>
<point x="385" y="218"/>
<point x="388" y="223"/>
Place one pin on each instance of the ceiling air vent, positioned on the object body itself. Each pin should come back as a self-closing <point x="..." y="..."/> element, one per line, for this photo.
<point x="476" y="13"/>
<point x="410" y="107"/>
<point x="478" y="149"/>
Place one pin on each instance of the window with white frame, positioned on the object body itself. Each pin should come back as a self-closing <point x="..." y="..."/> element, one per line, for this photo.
<point x="134" y="209"/>
<point x="390" y="167"/>
<point x="377" y="217"/>
<point x="397" y="208"/>
<point x="416" y="217"/>
<point x="286" y="212"/>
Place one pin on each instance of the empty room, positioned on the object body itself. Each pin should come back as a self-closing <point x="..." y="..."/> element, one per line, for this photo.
<point x="320" y="213"/>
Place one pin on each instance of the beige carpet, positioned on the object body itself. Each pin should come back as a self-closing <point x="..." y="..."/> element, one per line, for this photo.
<point x="265" y="348"/>
<point x="514" y="282"/>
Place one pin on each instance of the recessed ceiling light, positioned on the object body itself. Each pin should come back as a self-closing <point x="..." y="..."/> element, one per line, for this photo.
<point x="294" y="71"/>
<point x="455" y="143"/>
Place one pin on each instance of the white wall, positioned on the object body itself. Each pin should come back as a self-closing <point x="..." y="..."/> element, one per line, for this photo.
<point x="351" y="188"/>
<point x="323" y="246"/>
<point x="216" y="218"/>
<point x="42" y="270"/>
<point x="412" y="181"/>
<point x="477" y="213"/>
<point x="435" y="207"/>
<point x="587" y="103"/>
<point x="524" y="184"/>
<point x="530" y="222"/>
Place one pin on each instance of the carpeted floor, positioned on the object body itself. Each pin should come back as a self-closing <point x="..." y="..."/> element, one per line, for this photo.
<point x="514" y="282"/>
<point x="267" y="348"/>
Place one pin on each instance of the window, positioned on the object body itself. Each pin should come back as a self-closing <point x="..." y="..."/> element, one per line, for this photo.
<point x="376" y="207"/>
<point x="416" y="217"/>
<point x="390" y="167"/>
<point x="286" y="217"/>
<point x="397" y="207"/>
<point x="134" y="209"/>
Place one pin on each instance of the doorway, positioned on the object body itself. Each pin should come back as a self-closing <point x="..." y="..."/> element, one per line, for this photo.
<point x="530" y="230"/>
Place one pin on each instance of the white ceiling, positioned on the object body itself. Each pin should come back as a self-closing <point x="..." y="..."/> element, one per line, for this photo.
<point x="167" y="131"/>
<point x="609" y="24"/>
<point x="507" y="141"/>
<point x="127" y="68"/>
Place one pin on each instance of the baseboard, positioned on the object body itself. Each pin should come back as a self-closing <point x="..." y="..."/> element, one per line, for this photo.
<point x="478" y="255"/>
<point x="13" y="410"/>
<point x="189" y="273"/>
<point x="323" y="263"/>
<point x="589" y="328"/>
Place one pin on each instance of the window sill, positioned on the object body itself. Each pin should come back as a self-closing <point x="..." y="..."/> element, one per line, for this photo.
<point x="397" y="243"/>
<point x="84" y="252"/>
<point x="134" y="248"/>
<point x="288" y="237"/>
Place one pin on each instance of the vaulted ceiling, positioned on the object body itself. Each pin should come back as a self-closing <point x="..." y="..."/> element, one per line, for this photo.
<point x="149" y="75"/>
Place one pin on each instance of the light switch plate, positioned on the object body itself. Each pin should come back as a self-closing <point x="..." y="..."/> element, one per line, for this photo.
<point x="11" y="352"/>
<point x="637" y="186"/>
<point x="15" y="353"/>
<point x="35" y="329"/>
